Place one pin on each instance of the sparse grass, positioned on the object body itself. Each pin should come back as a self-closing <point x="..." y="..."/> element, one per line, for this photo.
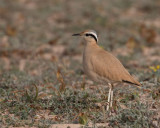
<point x="19" y="107"/>
<point x="41" y="78"/>
<point x="137" y="116"/>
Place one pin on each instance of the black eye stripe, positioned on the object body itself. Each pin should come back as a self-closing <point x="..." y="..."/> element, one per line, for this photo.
<point x="92" y="36"/>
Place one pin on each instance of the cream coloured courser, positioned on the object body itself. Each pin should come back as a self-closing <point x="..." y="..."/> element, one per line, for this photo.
<point x="101" y="66"/>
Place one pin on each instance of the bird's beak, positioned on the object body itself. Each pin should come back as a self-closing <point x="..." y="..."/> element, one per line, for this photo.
<point x="78" y="34"/>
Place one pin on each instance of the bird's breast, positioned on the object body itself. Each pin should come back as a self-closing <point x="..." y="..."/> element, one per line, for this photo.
<point x="88" y="66"/>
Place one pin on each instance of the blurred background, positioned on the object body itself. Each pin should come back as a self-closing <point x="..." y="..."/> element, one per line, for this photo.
<point x="37" y="47"/>
<point x="35" y="36"/>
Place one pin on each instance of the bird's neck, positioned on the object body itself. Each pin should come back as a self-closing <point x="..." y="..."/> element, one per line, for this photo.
<point x="89" y="46"/>
<point x="90" y="43"/>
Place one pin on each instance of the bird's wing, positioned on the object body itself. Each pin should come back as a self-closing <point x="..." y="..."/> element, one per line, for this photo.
<point x="107" y="65"/>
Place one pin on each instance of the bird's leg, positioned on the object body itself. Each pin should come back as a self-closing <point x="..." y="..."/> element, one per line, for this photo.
<point x="109" y="97"/>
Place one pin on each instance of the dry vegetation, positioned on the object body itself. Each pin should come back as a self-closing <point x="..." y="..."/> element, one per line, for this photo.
<point x="41" y="78"/>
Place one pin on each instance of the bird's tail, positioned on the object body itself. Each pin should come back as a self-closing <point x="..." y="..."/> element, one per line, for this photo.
<point x="133" y="81"/>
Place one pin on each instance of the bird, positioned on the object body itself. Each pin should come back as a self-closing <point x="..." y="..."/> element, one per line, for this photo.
<point x="102" y="66"/>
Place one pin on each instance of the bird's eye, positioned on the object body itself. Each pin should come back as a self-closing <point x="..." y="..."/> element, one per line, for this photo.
<point x="91" y="36"/>
<point x="87" y="35"/>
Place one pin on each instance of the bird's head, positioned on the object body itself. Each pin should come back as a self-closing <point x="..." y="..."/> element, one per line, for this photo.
<point x="88" y="35"/>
